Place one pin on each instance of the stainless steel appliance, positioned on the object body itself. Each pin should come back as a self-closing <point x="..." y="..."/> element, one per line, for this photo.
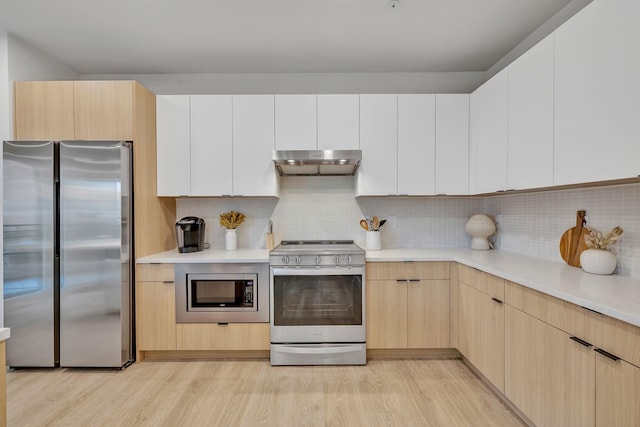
<point x="68" y="253"/>
<point x="317" y="162"/>
<point x="221" y="293"/>
<point x="190" y="233"/>
<point x="318" y="303"/>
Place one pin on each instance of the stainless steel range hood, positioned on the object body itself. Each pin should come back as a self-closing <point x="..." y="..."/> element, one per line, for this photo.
<point x="317" y="162"/>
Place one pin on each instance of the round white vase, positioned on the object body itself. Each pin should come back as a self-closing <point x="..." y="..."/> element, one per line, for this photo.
<point x="480" y="227"/>
<point x="231" y="240"/>
<point x="598" y="261"/>
<point x="373" y="241"/>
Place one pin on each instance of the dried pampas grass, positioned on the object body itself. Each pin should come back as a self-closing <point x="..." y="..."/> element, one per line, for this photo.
<point x="231" y="219"/>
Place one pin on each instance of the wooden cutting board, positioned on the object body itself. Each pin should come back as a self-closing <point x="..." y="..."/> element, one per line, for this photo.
<point x="572" y="241"/>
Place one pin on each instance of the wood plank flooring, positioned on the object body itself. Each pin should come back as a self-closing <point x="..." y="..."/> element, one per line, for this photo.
<point x="253" y="393"/>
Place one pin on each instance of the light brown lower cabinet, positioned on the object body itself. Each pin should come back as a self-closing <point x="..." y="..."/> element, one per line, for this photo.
<point x="214" y="336"/>
<point x="155" y="307"/>
<point x="617" y="393"/>
<point x="548" y="375"/>
<point x="481" y="332"/>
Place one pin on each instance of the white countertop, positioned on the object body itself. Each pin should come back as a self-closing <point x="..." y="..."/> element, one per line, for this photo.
<point x="5" y="333"/>
<point x="207" y="256"/>
<point x="615" y="296"/>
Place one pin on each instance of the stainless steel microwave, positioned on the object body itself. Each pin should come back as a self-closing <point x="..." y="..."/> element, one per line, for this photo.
<point x="221" y="293"/>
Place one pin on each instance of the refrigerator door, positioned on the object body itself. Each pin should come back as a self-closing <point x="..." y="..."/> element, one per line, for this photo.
<point x="95" y="261"/>
<point x="29" y="253"/>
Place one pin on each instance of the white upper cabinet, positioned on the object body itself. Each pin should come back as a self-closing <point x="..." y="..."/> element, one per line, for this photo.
<point x="296" y="122"/>
<point x="338" y="122"/>
<point x="530" y="149"/>
<point x="491" y="134"/>
<point x="378" y="172"/>
<point x="173" y="145"/>
<point x="253" y="143"/>
<point x="473" y="143"/>
<point x="211" y="145"/>
<point x="416" y="144"/>
<point x="452" y="144"/>
<point x="597" y="93"/>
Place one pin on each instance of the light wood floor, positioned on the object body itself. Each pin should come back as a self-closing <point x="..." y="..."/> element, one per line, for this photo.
<point x="253" y="393"/>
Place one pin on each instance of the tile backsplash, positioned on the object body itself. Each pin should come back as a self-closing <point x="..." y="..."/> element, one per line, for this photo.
<point x="326" y="208"/>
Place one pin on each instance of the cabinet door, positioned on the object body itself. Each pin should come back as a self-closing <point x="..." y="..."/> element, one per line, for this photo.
<point x="338" y="122"/>
<point x="617" y="393"/>
<point x="103" y="110"/>
<point x="428" y="314"/>
<point x="215" y="336"/>
<point x="548" y="376"/>
<point x="473" y="143"/>
<point x="296" y="122"/>
<point x="491" y="134"/>
<point x="43" y="111"/>
<point x="211" y="145"/>
<point x="387" y="314"/>
<point x="416" y="144"/>
<point x="452" y="144"/>
<point x="378" y="172"/>
<point x="597" y="64"/>
<point x="156" y="316"/>
<point x="253" y="170"/>
<point x="481" y="333"/>
<point x="173" y="136"/>
<point x="530" y="153"/>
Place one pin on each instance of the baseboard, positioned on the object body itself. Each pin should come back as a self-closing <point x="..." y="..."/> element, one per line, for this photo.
<point x="157" y="356"/>
<point x="413" y="353"/>
<point x="514" y="409"/>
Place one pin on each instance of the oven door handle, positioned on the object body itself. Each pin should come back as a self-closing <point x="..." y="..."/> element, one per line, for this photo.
<point x="333" y="349"/>
<point x="317" y="271"/>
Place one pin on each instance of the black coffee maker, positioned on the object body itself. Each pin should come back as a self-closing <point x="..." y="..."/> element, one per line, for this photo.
<point x="190" y="234"/>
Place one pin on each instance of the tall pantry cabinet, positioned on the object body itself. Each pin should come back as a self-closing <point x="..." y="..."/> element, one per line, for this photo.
<point x="103" y="110"/>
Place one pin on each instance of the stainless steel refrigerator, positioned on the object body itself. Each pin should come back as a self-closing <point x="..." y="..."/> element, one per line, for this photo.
<point x="68" y="253"/>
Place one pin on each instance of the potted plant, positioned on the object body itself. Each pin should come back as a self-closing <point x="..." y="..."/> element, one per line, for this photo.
<point x="597" y="259"/>
<point x="231" y="220"/>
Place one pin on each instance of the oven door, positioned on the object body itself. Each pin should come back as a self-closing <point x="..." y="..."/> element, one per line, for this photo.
<point x="318" y="305"/>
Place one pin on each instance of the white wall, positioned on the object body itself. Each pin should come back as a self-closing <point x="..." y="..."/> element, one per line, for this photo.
<point x="250" y="83"/>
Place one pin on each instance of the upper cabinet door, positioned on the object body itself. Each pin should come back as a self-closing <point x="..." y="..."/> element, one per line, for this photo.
<point x="211" y="145"/>
<point x="452" y="144"/>
<point x="416" y="144"/>
<point x="253" y="143"/>
<point x="597" y="93"/>
<point x="296" y="122"/>
<point x="173" y="145"/>
<point x="473" y="143"/>
<point x="378" y="172"/>
<point x="530" y="153"/>
<point x="43" y="111"/>
<point x="103" y="110"/>
<point x="491" y="134"/>
<point x="338" y="122"/>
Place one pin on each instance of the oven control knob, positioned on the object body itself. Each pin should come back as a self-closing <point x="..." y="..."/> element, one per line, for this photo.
<point x="285" y="260"/>
<point x="337" y="259"/>
<point x="317" y="259"/>
<point x="298" y="259"/>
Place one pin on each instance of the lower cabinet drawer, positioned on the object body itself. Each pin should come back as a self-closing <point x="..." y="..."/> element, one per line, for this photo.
<point x="214" y="336"/>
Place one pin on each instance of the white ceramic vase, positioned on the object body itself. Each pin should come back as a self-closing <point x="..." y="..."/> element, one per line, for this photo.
<point x="598" y="261"/>
<point x="231" y="240"/>
<point x="373" y="240"/>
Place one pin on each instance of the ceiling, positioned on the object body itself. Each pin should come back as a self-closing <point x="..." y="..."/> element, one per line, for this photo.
<point x="270" y="36"/>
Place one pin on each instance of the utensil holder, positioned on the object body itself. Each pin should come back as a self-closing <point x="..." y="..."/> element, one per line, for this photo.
<point x="373" y="240"/>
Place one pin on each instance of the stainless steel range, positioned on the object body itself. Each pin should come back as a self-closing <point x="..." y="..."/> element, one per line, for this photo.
<point x="318" y="303"/>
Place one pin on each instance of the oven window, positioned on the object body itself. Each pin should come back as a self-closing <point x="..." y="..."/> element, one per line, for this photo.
<point x="221" y="293"/>
<point x="317" y="300"/>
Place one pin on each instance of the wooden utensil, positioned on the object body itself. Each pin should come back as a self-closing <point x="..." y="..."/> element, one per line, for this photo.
<point x="572" y="242"/>
<point x="364" y="225"/>
<point x="376" y="223"/>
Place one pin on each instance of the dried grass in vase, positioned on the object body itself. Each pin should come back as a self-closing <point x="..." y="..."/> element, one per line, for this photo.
<point x="231" y="219"/>
<point x="596" y="240"/>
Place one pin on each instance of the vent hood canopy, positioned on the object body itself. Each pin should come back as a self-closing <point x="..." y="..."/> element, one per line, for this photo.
<point x="317" y="162"/>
